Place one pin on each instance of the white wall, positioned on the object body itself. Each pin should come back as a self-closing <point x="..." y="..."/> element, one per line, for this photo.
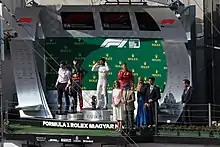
<point x="8" y="80"/>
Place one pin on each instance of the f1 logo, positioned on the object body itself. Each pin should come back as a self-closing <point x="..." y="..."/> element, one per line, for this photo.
<point x="120" y="43"/>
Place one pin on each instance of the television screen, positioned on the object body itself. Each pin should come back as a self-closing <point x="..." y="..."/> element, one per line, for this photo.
<point x="146" y="22"/>
<point x="115" y="21"/>
<point x="78" y="21"/>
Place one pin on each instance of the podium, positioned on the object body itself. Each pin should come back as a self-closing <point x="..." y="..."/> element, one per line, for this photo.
<point x="74" y="116"/>
<point x="60" y="117"/>
<point x="87" y="115"/>
<point x="96" y="115"/>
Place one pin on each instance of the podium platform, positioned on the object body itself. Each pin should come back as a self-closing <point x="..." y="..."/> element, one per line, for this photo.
<point x="96" y="115"/>
<point x="87" y="115"/>
<point x="60" y="117"/>
<point x="74" y="116"/>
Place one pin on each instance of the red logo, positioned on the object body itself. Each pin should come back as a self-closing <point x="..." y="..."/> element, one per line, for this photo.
<point x="168" y="21"/>
<point x="25" y="20"/>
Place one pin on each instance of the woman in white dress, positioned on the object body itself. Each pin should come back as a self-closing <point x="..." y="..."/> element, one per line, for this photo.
<point x="117" y="103"/>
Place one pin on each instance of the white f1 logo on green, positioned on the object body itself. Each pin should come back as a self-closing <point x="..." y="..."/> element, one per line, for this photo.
<point x="120" y="43"/>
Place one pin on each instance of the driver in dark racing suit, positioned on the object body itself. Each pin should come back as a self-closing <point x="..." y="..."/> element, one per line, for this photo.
<point x="75" y="86"/>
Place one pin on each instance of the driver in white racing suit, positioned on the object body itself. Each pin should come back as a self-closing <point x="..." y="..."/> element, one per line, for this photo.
<point x="103" y="69"/>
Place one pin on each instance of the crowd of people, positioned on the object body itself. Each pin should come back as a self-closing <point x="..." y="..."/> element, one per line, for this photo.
<point x="123" y="95"/>
<point x="123" y="99"/>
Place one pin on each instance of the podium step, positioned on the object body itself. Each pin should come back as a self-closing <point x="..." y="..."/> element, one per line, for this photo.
<point x="96" y="115"/>
<point x="75" y="116"/>
<point x="60" y="117"/>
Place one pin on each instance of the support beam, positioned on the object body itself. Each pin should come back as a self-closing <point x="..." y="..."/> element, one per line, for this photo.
<point x="1" y="61"/>
<point x="163" y="2"/>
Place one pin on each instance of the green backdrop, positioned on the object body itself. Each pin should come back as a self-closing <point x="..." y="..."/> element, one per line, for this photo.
<point x="146" y="60"/>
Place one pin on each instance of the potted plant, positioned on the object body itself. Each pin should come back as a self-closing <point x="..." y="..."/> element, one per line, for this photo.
<point x="168" y="130"/>
<point x="205" y="131"/>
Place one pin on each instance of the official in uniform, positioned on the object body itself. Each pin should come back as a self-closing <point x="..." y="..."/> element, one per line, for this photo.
<point x="61" y="84"/>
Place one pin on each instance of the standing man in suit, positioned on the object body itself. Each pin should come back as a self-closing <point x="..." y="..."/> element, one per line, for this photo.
<point x="129" y="98"/>
<point x="186" y="100"/>
<point x="152" y="97"/>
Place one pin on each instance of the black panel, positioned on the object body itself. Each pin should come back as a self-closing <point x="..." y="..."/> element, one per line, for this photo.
<point x="146" y="22"/>
<point x="216" y="85"/>
<point x="78" y="20"/>
<point x="115" y="21"/>
<point x="29" y="145"/>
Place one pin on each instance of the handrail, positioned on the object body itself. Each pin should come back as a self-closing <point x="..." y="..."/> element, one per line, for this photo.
<point x="128" y="2"/>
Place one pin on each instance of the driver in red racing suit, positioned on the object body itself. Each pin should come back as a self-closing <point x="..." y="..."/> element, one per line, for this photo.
<point x="126" y="76"/>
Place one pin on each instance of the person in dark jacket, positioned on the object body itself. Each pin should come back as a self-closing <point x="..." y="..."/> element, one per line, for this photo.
<point x="75" y="86"/>
<point x="186" y="101"/>
<point x="151" y="101"/>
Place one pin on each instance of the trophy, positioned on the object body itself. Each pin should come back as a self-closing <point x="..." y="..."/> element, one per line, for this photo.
<point x="94" y="102"/>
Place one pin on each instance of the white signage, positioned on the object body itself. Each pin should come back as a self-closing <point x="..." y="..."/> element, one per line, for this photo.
<point x="88" y="140"/>
<point x="53" y="140"/>
<point x="65" y="140"/>
<point x="79" y="125"/>
<point x="121" y="43"/>
<point x="41" y="138"/>
<point x="76" y="139"/>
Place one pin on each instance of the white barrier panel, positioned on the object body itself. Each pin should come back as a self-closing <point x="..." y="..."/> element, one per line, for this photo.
<point x="31" y="99"/>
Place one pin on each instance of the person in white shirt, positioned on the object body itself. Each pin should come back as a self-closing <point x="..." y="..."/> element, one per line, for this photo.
<point x="118" y="105"/>
<point x="61" y="84"/>
<point x="103" y="69"/>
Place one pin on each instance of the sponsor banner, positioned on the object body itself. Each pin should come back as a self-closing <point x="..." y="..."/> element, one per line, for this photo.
<point x="77" y="139"/>
<point x="69" y="139"/>
<point x="80" y="125"/>
<point x="53" y="140"/>
<point x="41" y="139"/>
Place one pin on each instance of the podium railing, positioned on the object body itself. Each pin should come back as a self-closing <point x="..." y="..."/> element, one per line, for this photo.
<point x="168" y="120"/>
<point x="204" y="122"/>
